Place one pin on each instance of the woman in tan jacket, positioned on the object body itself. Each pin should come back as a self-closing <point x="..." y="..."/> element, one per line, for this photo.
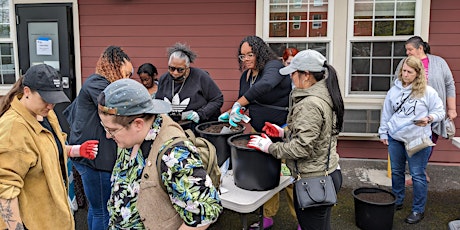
<point x="33" y="154"/>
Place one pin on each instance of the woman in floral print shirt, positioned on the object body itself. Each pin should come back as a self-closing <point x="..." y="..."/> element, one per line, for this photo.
<point x="132" y="119"/>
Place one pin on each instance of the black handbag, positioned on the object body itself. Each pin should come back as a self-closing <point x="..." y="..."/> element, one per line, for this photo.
<point x="316" y="191"/>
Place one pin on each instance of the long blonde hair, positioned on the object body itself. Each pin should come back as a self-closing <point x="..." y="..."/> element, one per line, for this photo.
<point x="419" y="84"/>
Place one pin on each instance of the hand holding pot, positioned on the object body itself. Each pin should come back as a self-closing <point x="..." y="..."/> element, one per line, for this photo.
<point x="260" y="143"/>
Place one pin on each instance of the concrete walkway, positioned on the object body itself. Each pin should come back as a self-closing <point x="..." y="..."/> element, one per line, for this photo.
<point x="443" y="203"/>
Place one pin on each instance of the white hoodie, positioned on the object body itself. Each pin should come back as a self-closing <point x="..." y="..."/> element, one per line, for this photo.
<point x="399" y="124"/>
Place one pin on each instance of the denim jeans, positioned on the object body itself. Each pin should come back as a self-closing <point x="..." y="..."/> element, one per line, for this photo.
<point x="97" y="188"/>
<point x="417" y="165"/>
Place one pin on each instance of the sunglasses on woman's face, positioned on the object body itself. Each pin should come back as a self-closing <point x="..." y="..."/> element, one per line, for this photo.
<point x="179" y="69"/>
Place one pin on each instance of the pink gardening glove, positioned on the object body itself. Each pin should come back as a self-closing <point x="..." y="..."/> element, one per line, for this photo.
<point x="260" y="143"/>
<point x="87" y="150"/>
<point x="273" y="130"/>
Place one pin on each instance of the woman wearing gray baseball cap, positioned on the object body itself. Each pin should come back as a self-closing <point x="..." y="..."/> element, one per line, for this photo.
<point x="314" y="121"/>
<point x="33" y="154"/>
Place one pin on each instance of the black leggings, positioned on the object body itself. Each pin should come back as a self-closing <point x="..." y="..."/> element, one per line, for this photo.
<point x="317" y="218"/>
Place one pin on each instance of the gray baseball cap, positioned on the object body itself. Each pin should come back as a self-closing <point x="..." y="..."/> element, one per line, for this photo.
<point x="126" y="97"/>
<point x="305" y="60"/>
<point x="47" y="82"/>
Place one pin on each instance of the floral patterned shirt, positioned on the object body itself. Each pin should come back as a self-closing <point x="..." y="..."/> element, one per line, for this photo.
<point x="189" y="187"/>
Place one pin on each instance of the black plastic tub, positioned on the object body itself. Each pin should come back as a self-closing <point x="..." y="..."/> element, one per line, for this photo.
<point x="252" y="169"/>
<point x="219" y="140"/>
<point x="375" y="213"/>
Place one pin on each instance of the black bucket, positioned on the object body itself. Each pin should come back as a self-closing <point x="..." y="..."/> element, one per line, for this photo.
<point x="219" y="140"/>
<point x="252" y="169"/>
<point x="374" y="208"/>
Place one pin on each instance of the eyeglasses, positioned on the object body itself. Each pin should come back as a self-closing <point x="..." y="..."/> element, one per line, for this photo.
<point x="112" y="133"/>
<point x="245" y="56"/>
<point x="179" y="69"/>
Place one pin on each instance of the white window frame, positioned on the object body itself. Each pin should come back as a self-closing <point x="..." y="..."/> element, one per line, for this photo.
<point x="323" y="39"/>
<point x="4" y="88"/>
<point x="339" y="48"/>
<point x="266" y="26"/>
<point x="351" y="38"/>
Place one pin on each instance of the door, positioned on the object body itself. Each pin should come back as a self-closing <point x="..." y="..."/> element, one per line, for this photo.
<point x="45" y="35"/>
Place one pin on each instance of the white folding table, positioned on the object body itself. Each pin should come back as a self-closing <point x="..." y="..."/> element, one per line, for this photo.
<point x="245" y="201"/>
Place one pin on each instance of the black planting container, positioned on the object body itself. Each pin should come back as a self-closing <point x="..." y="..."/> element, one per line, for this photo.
<point x="252" y="169"/>
<point x="372" y="214"/>
<point x="219" y="140"/>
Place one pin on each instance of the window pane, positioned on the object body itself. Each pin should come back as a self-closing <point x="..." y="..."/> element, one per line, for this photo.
<point x="4" y="31"/>
<point x="7" y="72"/>
<point x="8" y="77"/>
<point x="362" y="28"/>
<point x="405" y="27"/>
<point x="384" y="17"/>
<point x="400" y="49"/>
<point x="362" y="49"/>
<point x="363" y="10"/>
<point x="361" y="66"/>
<point x="278" y="29"/>
<point x="405" y="10"/>
<point x="300" y="18"/>
<point x="278" y="13"/>
<point x="384" y="10"/>
<point x="383" y="28"/>
<point x="381" y="66"/>
<point x="6" y="49"/>
<point x="361" y="121"/>
<point x="382" y="49"/>
<point x="359" y="83"/>
<point x="380" y="83"/>
<point x="373" y="65"/>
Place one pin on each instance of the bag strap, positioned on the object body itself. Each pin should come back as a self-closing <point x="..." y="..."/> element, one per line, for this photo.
<point x="328" y="156"/>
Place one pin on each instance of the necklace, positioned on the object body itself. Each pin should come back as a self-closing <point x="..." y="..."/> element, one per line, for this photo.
<point x="180" y="89"/>
<point x="253" y="80"/>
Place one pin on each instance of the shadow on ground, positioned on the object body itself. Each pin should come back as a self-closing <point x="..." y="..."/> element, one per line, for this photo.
<point x="443" y="203"/>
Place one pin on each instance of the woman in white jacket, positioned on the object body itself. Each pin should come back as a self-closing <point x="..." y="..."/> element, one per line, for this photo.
<point x="409" y="109"/>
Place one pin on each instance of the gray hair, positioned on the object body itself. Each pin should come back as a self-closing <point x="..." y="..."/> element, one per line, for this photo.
<point x="183" y="52"/>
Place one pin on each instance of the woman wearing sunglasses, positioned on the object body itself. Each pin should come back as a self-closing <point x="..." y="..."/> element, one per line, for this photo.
<point x="192" y="93"/>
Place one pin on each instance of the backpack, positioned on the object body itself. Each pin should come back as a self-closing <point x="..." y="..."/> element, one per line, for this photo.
<point x="205" y="149"/>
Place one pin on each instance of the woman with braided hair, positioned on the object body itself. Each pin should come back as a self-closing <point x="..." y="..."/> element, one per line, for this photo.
<point x="85" y="124"/>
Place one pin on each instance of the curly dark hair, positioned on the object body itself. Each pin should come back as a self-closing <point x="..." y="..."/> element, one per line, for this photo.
<point x="110" y="62"/>
<point x="262" y="51"/>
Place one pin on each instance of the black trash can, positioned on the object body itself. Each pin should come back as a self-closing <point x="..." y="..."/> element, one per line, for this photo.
<point x="252" y="169"/>
<point x="374" y="208"/>
<point x="219" y="140"/>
